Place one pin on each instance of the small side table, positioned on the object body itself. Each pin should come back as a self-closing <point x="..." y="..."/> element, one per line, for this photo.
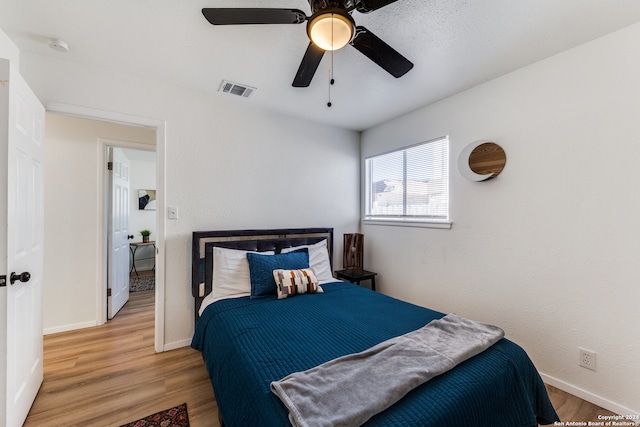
<point x="357" y="275"/>
<point x="133" y="247"/>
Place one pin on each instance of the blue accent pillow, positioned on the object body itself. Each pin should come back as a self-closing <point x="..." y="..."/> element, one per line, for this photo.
<point x="261" y="269"/>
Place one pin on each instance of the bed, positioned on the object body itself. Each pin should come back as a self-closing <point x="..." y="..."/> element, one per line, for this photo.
<point x="247" y="343"/>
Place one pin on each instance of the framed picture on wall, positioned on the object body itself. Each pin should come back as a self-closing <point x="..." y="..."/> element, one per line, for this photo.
<point x="147" y="200"/>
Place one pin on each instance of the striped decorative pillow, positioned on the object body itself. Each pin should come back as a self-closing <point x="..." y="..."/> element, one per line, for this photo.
<point x="294" y="282"/>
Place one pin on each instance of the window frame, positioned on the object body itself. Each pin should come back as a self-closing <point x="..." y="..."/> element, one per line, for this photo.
<point x="406" y="220"/>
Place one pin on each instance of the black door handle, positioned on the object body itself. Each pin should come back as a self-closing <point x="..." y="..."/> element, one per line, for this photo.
<point x="130" y="236"/>
<point x="24" y="277"/>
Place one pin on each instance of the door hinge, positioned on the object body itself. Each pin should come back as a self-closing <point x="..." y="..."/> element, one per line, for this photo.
<point x="3" y="281"/>
<point x="108" y="292"/>
<point x="110" y="166"/>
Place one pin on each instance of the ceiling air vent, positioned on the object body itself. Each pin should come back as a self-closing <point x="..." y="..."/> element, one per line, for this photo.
<point x="236" y="89"/>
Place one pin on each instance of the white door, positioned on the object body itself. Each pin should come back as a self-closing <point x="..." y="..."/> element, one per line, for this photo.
<point x="118" y="269"/>
<point x="21" y="241"/>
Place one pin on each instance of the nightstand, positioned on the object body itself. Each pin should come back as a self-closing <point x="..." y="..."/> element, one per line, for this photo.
<point x="357" y="275"/>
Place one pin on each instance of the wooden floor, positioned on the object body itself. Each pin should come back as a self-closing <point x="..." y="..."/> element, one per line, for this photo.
<point x="110" y="375"/>
<point x="572" y="408"/>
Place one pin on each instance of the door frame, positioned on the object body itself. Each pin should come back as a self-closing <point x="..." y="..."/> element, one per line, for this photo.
<point x="101" y="235"/>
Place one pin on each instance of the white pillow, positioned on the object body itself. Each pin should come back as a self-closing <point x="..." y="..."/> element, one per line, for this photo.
<point x="318" y="260"/>
<point x="230" y="275"/>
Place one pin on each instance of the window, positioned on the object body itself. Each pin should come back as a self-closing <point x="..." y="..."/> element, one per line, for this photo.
<point x="409" y="184"/>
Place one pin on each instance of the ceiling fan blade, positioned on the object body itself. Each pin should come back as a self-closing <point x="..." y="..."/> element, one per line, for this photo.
<point x="308" y="66"/>
<point x="239" y="16"/>
<point x="381" y="53"/>
<point x="366" y="6"/>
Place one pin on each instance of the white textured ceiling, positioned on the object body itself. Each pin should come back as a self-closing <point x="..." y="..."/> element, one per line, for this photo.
<point x="454" y="44"/>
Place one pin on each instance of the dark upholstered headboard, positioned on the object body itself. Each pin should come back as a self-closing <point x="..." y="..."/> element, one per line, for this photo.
<point x="249" y="240"/>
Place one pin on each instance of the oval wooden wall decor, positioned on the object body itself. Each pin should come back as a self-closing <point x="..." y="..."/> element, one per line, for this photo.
<point x="482" y="160"/>
<point x="487" y="158"/>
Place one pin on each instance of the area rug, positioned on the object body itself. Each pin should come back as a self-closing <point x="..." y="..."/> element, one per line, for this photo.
<point x="142" y="283"/>
<point x="174" y="417"/>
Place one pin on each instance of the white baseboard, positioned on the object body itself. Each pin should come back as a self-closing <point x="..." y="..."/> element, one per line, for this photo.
<point x="176" y="344"/>
<point x="588" y="396"/>
<point x="66" y="328"/>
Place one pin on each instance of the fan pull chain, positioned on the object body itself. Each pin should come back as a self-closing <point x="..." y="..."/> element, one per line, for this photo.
<point x="331" y="80"/>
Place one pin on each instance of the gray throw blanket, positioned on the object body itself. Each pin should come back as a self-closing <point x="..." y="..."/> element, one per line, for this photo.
<point x="349" y="390"/>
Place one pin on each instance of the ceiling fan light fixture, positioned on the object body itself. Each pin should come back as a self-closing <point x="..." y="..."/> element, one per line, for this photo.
<point x="331" y="30"/>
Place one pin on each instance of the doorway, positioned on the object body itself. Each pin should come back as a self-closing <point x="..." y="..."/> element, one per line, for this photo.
<point x="130" y="203"/>
<point x="78" y="222"/>
<point x="142" y="220"/>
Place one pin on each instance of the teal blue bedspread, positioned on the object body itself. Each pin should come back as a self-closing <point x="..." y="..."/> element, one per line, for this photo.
<point x="248" y="343"/>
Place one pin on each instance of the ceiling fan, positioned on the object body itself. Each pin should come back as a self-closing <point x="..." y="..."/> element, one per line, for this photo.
<point x="330" y="27"/>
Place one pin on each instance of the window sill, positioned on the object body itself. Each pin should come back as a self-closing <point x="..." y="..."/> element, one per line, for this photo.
<point x="408" y="222"/>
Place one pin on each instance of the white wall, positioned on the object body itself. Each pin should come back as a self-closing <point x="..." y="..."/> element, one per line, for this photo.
<point x="549" y="250"/>
<point x="8" y="49"/>
<point x="72" y="215"/>
<point x="143" y="177"/>
<point x="228" y="165"/>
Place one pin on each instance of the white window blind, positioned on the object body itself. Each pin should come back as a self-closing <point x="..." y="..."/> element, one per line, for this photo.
<point x="412" y="182"/>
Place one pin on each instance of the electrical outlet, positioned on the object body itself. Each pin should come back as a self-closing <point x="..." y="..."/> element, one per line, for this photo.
<point x="588" y="359"/>
<point x="172" y="212"/>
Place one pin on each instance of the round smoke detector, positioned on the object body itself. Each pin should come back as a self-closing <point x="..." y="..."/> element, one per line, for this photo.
<point x="59" y="45"/>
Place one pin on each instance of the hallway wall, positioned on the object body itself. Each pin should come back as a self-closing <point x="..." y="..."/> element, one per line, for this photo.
<point x="72" y="217"/>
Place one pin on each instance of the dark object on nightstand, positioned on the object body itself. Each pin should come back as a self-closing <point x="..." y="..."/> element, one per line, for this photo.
<point x="353" y="251"/>
<point x="356" y="275"/>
